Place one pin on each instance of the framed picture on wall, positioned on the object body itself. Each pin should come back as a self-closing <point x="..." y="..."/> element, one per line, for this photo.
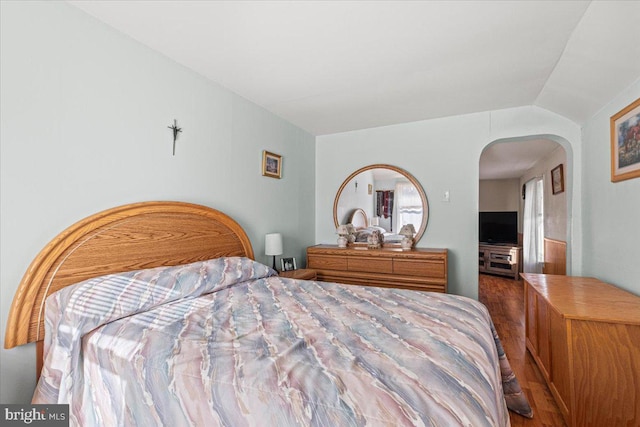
<point x="271" y="164"/>
<point x="625" y="143"/>
<point x="557" y="179"/>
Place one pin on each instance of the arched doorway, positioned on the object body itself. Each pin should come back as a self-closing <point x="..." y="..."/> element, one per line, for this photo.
<point x="504" y="168"/>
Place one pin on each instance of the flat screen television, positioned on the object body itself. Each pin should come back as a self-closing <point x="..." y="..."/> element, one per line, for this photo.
<point x="499" y="227"/>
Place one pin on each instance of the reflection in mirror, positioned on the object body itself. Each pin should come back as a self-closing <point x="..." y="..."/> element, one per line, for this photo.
<point x="381" y="197"/>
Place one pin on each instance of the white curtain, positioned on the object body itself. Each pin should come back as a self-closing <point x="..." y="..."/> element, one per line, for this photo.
<point x="533" y="227"/>
<point x="408" y="206"/>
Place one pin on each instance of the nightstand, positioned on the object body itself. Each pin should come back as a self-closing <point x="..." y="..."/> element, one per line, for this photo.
<point x="303" y="274"/>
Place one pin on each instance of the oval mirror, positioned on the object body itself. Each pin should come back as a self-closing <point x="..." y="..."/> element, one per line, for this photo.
<point x="384" y="197"/>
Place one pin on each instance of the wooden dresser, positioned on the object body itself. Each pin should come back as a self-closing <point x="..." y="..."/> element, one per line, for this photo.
<point x="418" y="268"/>
<point x="584" y="335"/>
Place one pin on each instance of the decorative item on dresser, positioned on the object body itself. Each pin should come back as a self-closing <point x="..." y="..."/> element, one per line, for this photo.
<point x="351" y="237"/>
<point x="343" y="235"/>
<point x="419" y="268"/>
<point x="584" y="335"/>
<point x="375" y="240"/>
<point x="407" y="231"/>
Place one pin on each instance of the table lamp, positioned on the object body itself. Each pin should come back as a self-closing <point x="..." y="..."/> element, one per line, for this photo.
<point x="408" y="231"/>
<point x="273" y="246"/>
<point x="343" y="232"/>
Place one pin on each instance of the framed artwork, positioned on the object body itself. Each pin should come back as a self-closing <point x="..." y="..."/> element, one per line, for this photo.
<point x="271" y="164"/>
<point x="625" y="143"/>
<point x="288" y="264"/>
<point x="557" y="179"/>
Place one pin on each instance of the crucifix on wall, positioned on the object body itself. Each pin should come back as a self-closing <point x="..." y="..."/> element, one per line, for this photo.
<point x="176" y="130"/>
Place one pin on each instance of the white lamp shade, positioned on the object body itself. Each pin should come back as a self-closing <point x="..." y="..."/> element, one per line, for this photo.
<point x="342" y="230"/>
<point x="407" y="230"/>
<point x="273" y="244"/>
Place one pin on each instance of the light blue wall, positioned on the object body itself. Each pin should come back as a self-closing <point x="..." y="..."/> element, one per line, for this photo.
<point x="443" y="155"/>
<point x="611" y="210"/>
<point x="84" y="116"/>
<point x="84" y="111"/>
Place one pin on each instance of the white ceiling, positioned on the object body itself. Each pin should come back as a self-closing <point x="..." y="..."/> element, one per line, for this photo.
<point x="335" y="66"/>
<point x="508" y="160"/>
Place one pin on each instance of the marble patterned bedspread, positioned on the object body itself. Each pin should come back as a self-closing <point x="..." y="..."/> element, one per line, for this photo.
<point x="224" y="342"/>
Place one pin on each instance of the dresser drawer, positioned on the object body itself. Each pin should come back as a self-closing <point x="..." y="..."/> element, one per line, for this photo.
<point x="326" y="262"/>
<point x="421" y="269"/>
<point x="418" y="268"/>
<point x="370" y="265"/>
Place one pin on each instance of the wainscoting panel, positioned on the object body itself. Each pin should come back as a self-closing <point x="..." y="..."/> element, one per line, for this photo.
<point x="555" y="257"/>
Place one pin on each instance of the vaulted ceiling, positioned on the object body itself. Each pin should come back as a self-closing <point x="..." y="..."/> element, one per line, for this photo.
<point x="335" y="66"/>
<point x="330" y="66"/>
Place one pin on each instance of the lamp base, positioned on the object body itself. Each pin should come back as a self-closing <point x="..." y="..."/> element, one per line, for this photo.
<point x="274" y="263"/>
<point x="406" y="243"/>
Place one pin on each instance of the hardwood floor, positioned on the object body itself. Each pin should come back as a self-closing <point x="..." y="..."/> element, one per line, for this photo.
<point x="504" y="298"/>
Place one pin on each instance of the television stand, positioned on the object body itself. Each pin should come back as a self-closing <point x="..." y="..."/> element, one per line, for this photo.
<point x="499" y="258"/>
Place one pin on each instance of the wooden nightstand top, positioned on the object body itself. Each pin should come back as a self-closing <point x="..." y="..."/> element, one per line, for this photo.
<point x="303" y="274"/>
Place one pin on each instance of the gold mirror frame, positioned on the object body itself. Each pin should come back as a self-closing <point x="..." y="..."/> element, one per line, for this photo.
<point x="425" y="205"/>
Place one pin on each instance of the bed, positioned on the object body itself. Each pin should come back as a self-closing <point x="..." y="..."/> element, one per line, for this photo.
<point x="359" y="220"/>
<point x="157" y="314"/>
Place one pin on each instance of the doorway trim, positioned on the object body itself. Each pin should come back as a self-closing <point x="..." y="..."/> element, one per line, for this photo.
<point x="570" y="187"/>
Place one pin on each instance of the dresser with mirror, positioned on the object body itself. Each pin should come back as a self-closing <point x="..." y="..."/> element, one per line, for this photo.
<point x="381" y="198"/>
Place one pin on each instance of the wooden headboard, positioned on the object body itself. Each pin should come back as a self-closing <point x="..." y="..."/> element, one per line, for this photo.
<point x="359" y="219"/>
<point x="125" y="238"/>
